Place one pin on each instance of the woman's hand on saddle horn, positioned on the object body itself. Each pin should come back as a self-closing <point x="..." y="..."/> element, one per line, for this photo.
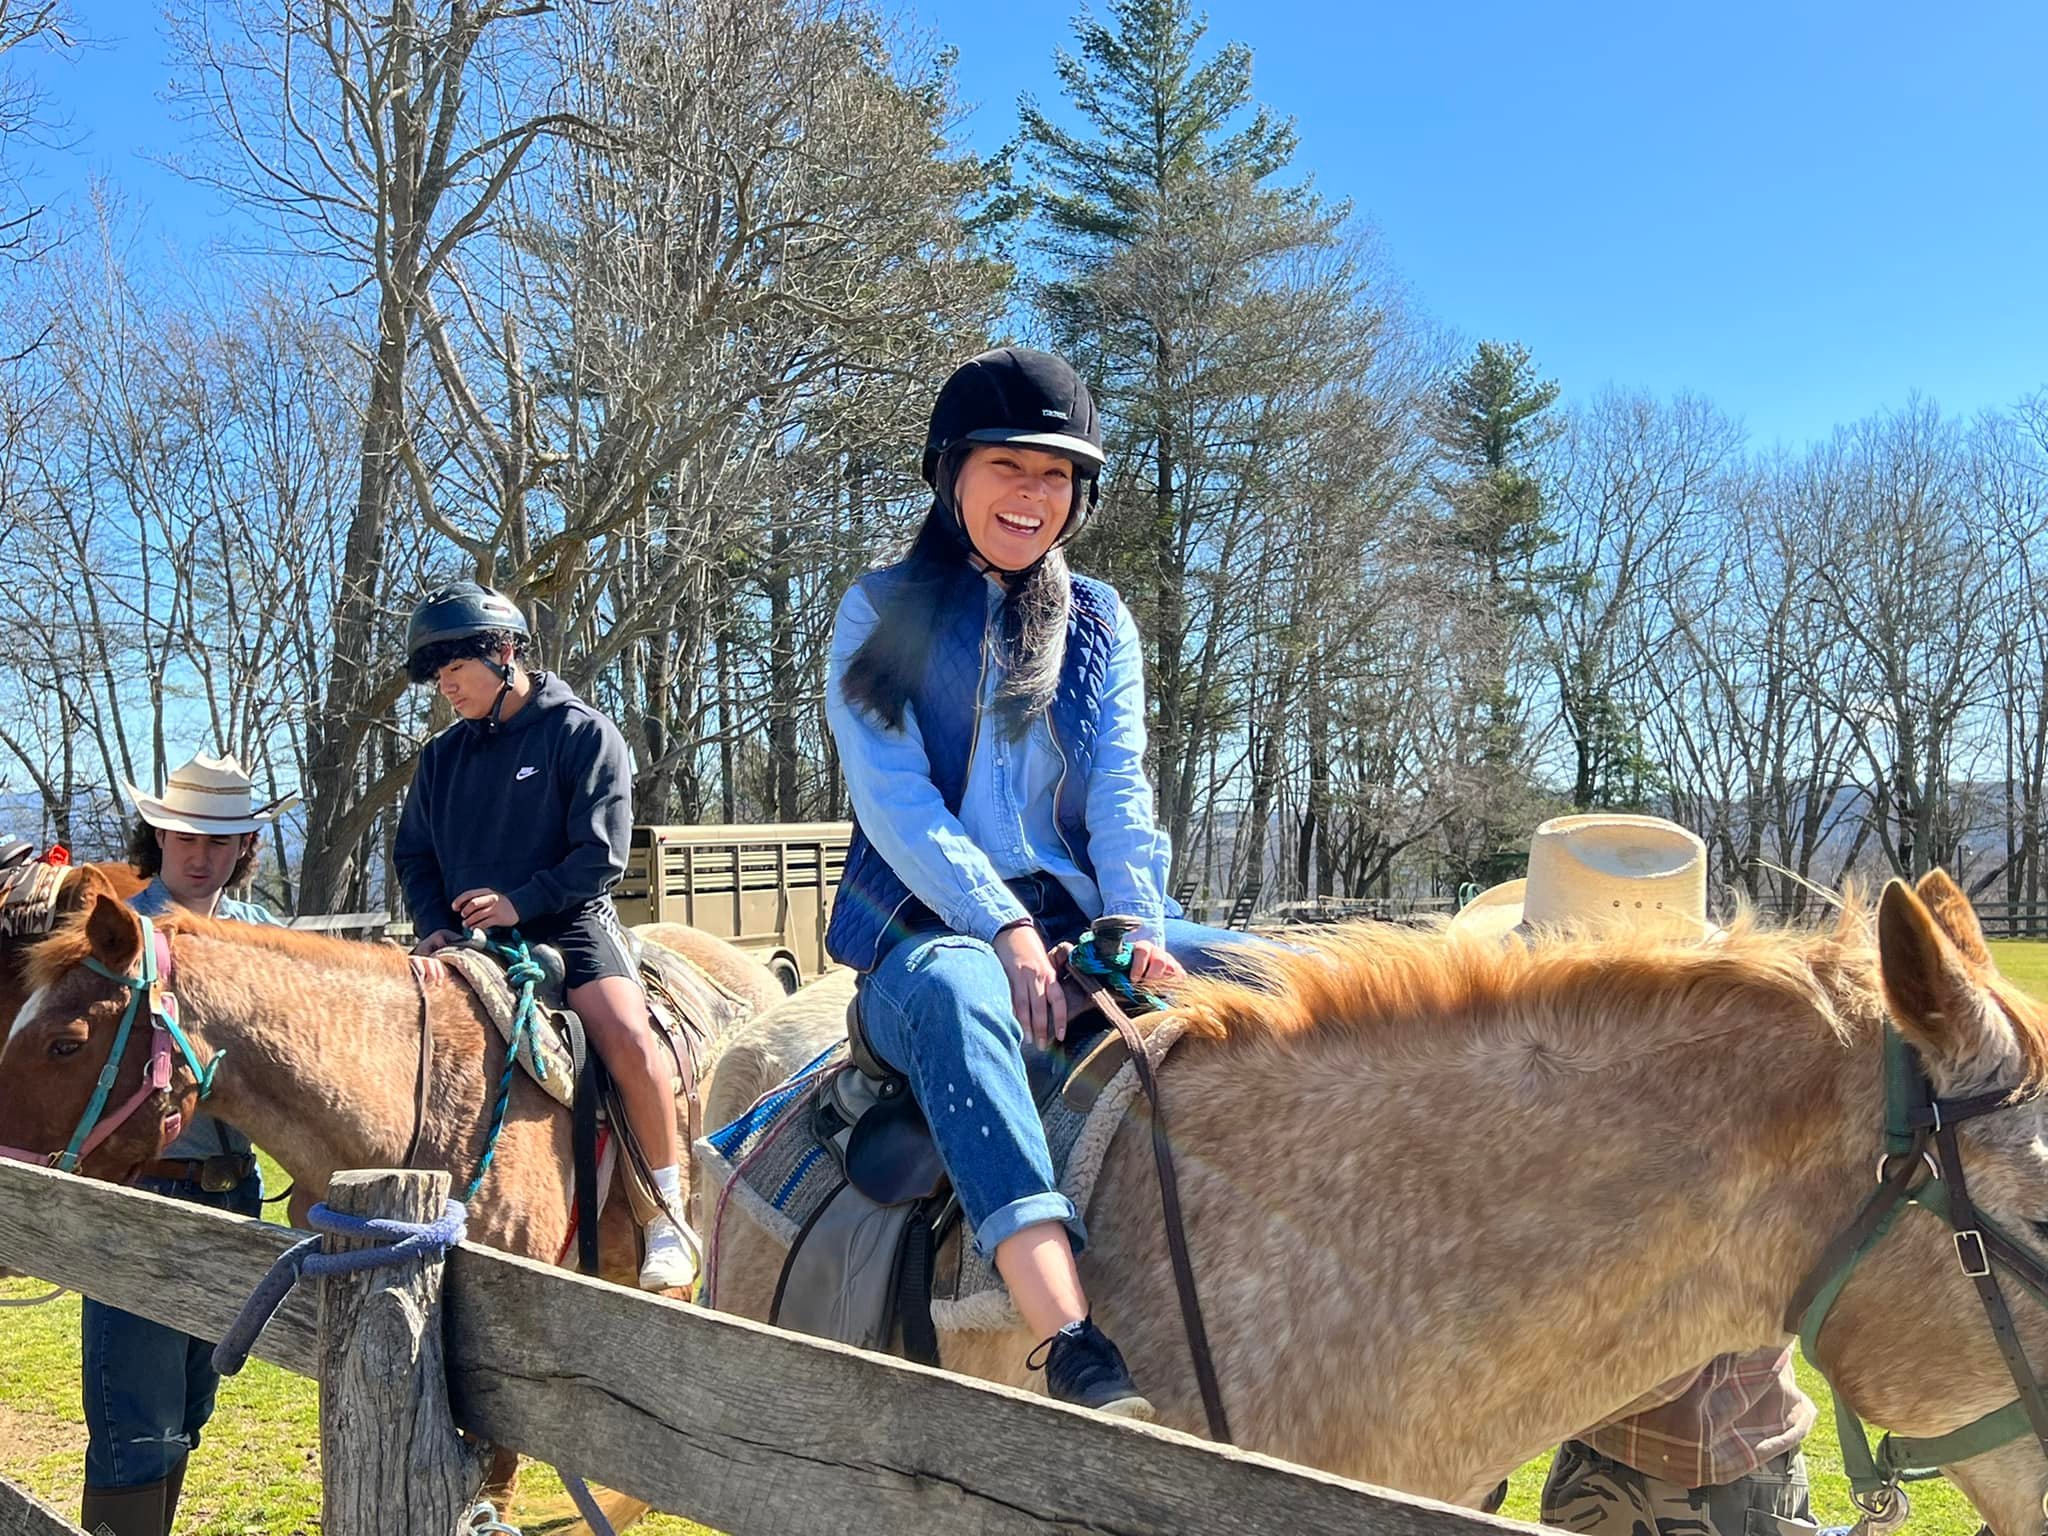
<point x="1152" y="966"/>
<point x="1035" y="992"/>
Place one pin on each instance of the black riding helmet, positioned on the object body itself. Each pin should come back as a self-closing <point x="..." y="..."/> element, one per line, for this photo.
<point x="457" y="611"/>
<point x="1022" y="396"/>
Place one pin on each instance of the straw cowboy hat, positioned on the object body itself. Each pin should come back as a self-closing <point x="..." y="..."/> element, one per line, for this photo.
<point x="1641" y="873"/>
<point x="212" y="796"/>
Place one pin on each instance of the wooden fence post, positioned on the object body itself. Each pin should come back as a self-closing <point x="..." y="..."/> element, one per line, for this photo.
<point x="390" y="1459"/>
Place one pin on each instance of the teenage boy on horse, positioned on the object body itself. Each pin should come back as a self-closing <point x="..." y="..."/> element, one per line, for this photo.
<point x="519" y="816"/>
<point x="989" y="710"/>
<point x="149" y="1389"/>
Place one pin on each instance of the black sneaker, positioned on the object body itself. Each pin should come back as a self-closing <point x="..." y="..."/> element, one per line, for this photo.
<point x="1084" y="1368"/>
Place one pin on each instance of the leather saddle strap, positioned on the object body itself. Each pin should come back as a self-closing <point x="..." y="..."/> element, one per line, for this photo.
<point x="426" y="1070"/>
<point x="583" y="1133"/>
<point x="1965" y="1217"/>
<point x="687" y="1050"/>
<point x="1169" y="1198"/>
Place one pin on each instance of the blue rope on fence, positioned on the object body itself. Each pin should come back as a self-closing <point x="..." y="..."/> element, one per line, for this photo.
<point x="401" y="1243"/>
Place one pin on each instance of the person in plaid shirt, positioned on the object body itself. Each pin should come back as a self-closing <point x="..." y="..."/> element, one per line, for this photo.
<point x="1714" y="1452"/>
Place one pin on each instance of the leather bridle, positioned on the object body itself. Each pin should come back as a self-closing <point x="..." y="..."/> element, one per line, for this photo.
<point x="1922" y="1165"/>
<point x="149" y="988"/>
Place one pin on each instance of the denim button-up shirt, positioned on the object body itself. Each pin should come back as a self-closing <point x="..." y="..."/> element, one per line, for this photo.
<point x="956" y="865"/>
<point x="203" y="1136"/>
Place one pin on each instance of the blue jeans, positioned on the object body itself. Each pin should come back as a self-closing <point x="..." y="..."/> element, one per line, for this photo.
<point x="149" y="1389"/>
<point x="937" y="1009"/>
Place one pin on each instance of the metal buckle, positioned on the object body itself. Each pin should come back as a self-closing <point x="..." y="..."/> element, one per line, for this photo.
<point x="222" y="1172"/>
<point x="1884" y="1161"/>
<point x="1970" y="1253"/>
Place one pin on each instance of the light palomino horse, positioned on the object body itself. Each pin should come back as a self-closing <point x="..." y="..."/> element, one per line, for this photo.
<point x="321" y="1041"/>
<point x="1450" y="1204"/>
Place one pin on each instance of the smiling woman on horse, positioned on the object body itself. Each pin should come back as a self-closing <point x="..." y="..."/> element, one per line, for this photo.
<point x="149" y="1389"/>
<point x="989" y="711"/>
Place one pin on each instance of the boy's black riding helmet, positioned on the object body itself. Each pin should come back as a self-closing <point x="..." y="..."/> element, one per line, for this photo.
<point x="1017" y="395"/>
<point x="457" y="611"/>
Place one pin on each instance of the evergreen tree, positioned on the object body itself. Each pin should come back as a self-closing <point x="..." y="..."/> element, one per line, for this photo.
<point x="1205" y="299"/>
<point x="1490" y="424"/>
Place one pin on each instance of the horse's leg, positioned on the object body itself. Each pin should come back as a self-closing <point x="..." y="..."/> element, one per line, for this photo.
<point x="501" y="1479"/>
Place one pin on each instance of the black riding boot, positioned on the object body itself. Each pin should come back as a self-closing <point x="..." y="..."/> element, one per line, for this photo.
<point x="124" y="1511"/>
<point x="174" y="1485"/>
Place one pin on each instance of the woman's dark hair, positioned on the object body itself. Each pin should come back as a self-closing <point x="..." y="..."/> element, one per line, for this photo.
<point x="426" y="663"/>
<point x="891" y="660"/>
<point x="147" y="855"/>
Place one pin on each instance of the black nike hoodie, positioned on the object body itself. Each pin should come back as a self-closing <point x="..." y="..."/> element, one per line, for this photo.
<point x="539" y="808"/>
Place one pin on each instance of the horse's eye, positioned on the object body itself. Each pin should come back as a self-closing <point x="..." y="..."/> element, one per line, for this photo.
<point x="66" y="1047"/>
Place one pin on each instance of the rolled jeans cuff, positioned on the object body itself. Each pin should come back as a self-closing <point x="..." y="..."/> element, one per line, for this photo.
<point x="1007" y="1221"/>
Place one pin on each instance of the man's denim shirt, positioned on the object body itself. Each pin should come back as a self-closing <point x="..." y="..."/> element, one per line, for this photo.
<point x="957" y="865"/>
<point x="203" y="1136"/>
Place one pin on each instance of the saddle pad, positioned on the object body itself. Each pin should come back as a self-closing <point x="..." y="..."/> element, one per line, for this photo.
<point x="545" y="1052"/>
<point x="28" y="898"/>
<point x="968" y="1295"/>
<point x="775" y="1168"/>
<point x="769" y="1159"/>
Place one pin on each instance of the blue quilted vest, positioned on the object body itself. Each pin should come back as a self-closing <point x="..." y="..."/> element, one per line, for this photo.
<point x="874" y="909"/>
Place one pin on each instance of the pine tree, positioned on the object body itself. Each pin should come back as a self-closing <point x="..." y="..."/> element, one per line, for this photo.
<point x="1490" y="424"/>
<point x="1170" y="256"/>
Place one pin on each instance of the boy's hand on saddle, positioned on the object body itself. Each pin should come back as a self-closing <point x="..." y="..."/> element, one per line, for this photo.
<point x="1035" y="992"/>
<point x="1152" y="966"/>
<point x="485" y="908"/>
<point x="430" y="968"/>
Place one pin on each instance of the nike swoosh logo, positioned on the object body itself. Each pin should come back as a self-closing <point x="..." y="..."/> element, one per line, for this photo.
<point x="524" y="773"/>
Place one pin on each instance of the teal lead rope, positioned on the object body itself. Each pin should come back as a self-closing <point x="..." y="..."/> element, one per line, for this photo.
<point x="1115" y="971"/>
<point x="524" y="972"/>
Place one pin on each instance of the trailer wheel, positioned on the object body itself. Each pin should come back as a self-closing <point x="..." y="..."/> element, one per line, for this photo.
<point x="786" y="972"/>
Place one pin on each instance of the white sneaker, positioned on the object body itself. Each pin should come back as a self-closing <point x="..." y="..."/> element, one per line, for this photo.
<point x="669" y="1265"/>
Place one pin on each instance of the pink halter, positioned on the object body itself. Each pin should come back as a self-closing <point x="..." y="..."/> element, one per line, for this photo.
<point x="95" y="1126"/>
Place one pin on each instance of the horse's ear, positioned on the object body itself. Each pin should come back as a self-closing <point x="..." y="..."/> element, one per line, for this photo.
<point x="77" y="893"/>
<point x="115" y="933"/>
<point x="1952" y="909"/>
<point x="1935" y="998"/>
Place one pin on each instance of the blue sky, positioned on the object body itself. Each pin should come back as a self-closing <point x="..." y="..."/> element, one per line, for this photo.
<point x="1802" y="211"/>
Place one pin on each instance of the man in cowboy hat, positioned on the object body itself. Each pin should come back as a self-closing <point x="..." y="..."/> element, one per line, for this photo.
<point x="149" y="1389"/>
<point x="1714" y="1452"/>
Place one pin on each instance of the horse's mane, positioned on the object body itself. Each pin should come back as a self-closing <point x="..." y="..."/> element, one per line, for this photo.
<point x="1423" y="989"/>
<point x="69" y="945"/>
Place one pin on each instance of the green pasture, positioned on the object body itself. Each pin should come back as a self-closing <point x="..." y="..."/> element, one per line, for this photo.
<point x="258" y="1474"/>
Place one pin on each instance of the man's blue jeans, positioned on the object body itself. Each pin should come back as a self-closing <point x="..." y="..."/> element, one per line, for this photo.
<point x="149" y="1389"/>
<point x="937" y="1009"/>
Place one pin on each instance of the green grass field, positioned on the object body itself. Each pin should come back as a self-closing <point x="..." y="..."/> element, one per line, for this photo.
<point x="259" y="1472"/>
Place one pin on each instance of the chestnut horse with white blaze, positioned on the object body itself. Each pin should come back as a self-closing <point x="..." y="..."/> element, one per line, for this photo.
<point x="313" y="1046"/>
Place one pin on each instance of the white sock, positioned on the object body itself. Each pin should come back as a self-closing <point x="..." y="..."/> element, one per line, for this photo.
<point x="669" y="1180"/>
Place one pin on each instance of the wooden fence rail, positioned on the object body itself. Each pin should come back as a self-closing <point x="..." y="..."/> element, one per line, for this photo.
<point x="743" y="1427"/>
<point x="23" y="1514"/>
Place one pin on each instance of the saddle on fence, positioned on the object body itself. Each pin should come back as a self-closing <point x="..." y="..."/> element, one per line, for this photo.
<point x="28" y="889"/>
<point x="838" y="1164"/>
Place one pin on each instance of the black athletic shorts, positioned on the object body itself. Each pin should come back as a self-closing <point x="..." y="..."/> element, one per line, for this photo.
<point x="593" y="945"/>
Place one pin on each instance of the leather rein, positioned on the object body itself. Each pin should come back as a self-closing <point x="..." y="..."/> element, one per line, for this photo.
<point x="1107" y="995"/>
<point x="1922" y="1165"/>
